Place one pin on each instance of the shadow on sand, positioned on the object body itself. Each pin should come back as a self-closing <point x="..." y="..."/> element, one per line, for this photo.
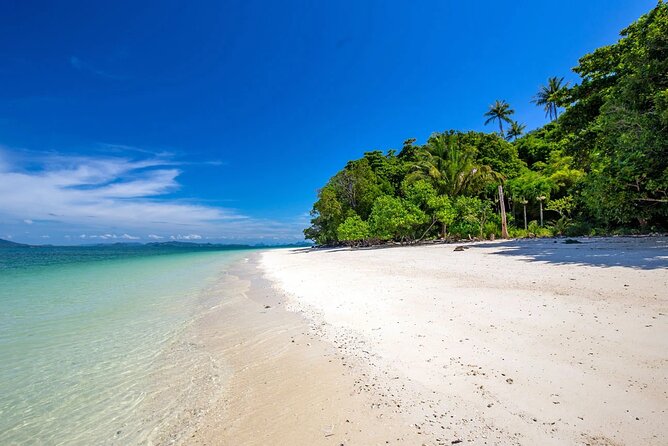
<point x="630" y="252"/>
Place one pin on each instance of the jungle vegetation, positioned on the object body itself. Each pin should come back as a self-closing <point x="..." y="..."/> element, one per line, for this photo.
<point x="599" y="166"/>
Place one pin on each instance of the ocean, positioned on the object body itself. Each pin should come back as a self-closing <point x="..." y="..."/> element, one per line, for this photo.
<point x="87" y="339"/>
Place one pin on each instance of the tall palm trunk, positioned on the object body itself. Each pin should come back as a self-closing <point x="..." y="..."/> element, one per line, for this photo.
<point x="525" y="217"/>
<point x="541" y="212"/>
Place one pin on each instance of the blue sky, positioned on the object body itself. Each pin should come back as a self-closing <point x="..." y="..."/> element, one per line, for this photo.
<point x="219" y="120"/>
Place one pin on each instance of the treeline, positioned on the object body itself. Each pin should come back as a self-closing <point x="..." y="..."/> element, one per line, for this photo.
<point x="599" y="166"/>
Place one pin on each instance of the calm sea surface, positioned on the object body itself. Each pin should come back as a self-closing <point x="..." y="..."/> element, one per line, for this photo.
<point x="82" y="331"/>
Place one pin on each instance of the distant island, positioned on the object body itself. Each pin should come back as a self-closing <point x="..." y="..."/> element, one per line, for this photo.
<point x="10" y="244"/>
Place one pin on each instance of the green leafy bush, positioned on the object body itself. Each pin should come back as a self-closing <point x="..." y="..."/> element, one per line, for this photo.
<point x="578" y="228"/>
<point x="471" y="215"/>
<point x="538" y="231"/>
<point x="353" y="229"/>
<point x="559" y="227"/>
<point x="394" y="218"/>
<point x="492" y="228"/>
<point x="518" y="232"/>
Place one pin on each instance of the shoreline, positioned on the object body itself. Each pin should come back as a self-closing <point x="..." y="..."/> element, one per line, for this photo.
<point x="521" y="342"/>
<point x="285" y="383"/>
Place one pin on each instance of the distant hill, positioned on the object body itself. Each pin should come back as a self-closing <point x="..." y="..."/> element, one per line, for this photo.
<point x="102" y="245"/>
<point x="170" y="244"/>
<point x="179" y="244"/>
<point x="8" y="244"/>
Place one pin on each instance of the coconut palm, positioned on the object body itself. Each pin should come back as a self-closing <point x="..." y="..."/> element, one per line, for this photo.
<point x="499" y="111"/>
<point x="452" y="166"/>
<point x="549" y="96"/>
<point x="516" y="129"/>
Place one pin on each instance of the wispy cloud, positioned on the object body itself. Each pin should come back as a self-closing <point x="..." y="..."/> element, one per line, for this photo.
<point x="81" y="65"/>
<point x="110" y="191"/>
<point x="116" y="197"/>
<point x="109" y="236"/>
<point x="163" y="154"/>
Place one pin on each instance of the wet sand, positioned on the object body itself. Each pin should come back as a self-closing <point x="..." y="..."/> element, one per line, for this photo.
<point x="280" y="382"/>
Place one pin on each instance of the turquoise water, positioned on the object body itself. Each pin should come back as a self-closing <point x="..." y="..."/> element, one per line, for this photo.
<point x="81" y="331"/>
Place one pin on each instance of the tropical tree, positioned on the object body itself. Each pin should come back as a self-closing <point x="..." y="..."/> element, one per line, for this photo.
<point x="394" y="218"/>
<point x="423" y="195"/>
<point x="353" y="229"/>
<point x="327" y="214"/>
<point x="516" y="129"/>
<point x="550" y="96"/>
<point x="452" y="167"/>
<point x="443" y="211"/>
<point x="471" y="215"/>
<point x="499" y="111"/>
<point x="357" y="187"/>
<point x="494" y="151"/>
<point x="531" y="186"/>
<point x="628" y="179"/>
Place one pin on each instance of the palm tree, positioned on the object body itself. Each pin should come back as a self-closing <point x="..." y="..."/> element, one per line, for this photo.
<point x="499" y="111"/>
<point x="516" y="129"/>
<point x="452" y="167"/>
<point x="549" y="96"/>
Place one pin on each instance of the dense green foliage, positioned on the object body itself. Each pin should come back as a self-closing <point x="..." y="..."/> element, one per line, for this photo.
<point x="599" y="166"/>
<point x="353" y="229"/>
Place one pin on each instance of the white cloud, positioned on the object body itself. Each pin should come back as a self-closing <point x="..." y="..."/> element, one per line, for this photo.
<point x="186" y="237"/>
<point x="155" y="237"/>
<point x="111" y="236"/>
<point x="116" y="197"/>
<point x="28" y="221"/>
<point x="104" y="191"/>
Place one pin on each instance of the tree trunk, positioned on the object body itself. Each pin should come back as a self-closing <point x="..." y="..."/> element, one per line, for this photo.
<point x="504" y="224"/>
<point x="541" y="212"/>
<point x="433" y="222"/>
<point x="525" y="217"/>
<point x="443" y="230"/>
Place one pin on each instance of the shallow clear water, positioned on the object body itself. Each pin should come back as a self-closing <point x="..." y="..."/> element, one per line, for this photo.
<point x="80" y="331"/>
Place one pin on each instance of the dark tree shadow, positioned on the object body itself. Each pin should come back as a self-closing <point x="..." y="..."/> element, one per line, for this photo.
<point x="631" y="252"/>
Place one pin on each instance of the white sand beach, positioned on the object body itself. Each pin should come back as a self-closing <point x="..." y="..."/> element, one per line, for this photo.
<point x="509" y="342"/>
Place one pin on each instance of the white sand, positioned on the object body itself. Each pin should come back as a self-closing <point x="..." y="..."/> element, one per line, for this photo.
<point x="520" y="342"/>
